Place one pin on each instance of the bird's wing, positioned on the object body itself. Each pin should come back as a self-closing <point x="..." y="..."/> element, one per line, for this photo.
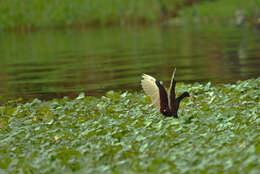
<point x="171" y="92"/>
<point x="150" y="88"/>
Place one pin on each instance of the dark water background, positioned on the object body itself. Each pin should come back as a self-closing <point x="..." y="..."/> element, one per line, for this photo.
<point x="55" y="63"/>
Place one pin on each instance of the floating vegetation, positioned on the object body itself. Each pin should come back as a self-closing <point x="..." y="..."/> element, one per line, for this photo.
<point x="123" y="133"/>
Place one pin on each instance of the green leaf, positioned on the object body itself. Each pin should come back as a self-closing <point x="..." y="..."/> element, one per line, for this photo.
<point x="81" y="96"/>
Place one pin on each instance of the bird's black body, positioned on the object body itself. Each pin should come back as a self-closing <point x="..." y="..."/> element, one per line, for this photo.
<point x="171" y="111"/>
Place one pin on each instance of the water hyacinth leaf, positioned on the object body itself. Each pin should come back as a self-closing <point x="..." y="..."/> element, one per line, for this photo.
<point x="217" y="132"/>
<point x="159" y="125"/>
<point x="50" y="122"/>
<point x="148" y="123"/>
<point x="174" y="122"/>
<point x="143" y="147"/>
<point x="124" y="94"/>
<point x="140" y="138"/>
<point x="207" y="87"/>
<point x="81" y="96"/>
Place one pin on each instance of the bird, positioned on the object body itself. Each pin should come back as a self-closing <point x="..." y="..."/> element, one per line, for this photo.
<point x="167" y="104"/>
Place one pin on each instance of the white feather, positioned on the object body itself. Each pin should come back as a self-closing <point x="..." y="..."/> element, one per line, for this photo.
<point x="151" y="89"/>
<point x="171" y="87"/>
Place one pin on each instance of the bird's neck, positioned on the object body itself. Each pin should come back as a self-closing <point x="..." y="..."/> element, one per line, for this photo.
<point x="179" y="99"/>
<point x="182" y="96"/>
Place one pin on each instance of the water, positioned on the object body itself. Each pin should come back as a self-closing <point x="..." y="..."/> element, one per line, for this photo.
<point x="55" y="63"/>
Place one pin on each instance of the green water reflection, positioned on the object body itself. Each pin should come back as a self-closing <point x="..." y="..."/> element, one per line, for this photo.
<point x="47" y="64"/>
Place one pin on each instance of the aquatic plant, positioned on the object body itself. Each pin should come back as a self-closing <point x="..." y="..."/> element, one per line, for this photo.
<point x="122" y="132"/>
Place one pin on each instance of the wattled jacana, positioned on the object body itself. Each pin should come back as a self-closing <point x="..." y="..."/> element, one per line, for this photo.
<point x="168" y="105"/>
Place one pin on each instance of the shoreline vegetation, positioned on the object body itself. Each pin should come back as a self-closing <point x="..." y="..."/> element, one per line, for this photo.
<point x="31" y="15"/>
<point x="122" y="132"/>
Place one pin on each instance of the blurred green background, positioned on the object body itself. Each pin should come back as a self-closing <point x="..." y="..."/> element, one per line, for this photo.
<point x="56" y="48"/>
<point x="31" y="14"/>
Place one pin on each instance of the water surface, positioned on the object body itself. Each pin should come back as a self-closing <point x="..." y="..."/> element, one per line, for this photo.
<point x="56" y="63"/>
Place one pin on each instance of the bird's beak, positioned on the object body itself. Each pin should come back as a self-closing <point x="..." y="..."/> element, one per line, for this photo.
<point x="191" y="97"/>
